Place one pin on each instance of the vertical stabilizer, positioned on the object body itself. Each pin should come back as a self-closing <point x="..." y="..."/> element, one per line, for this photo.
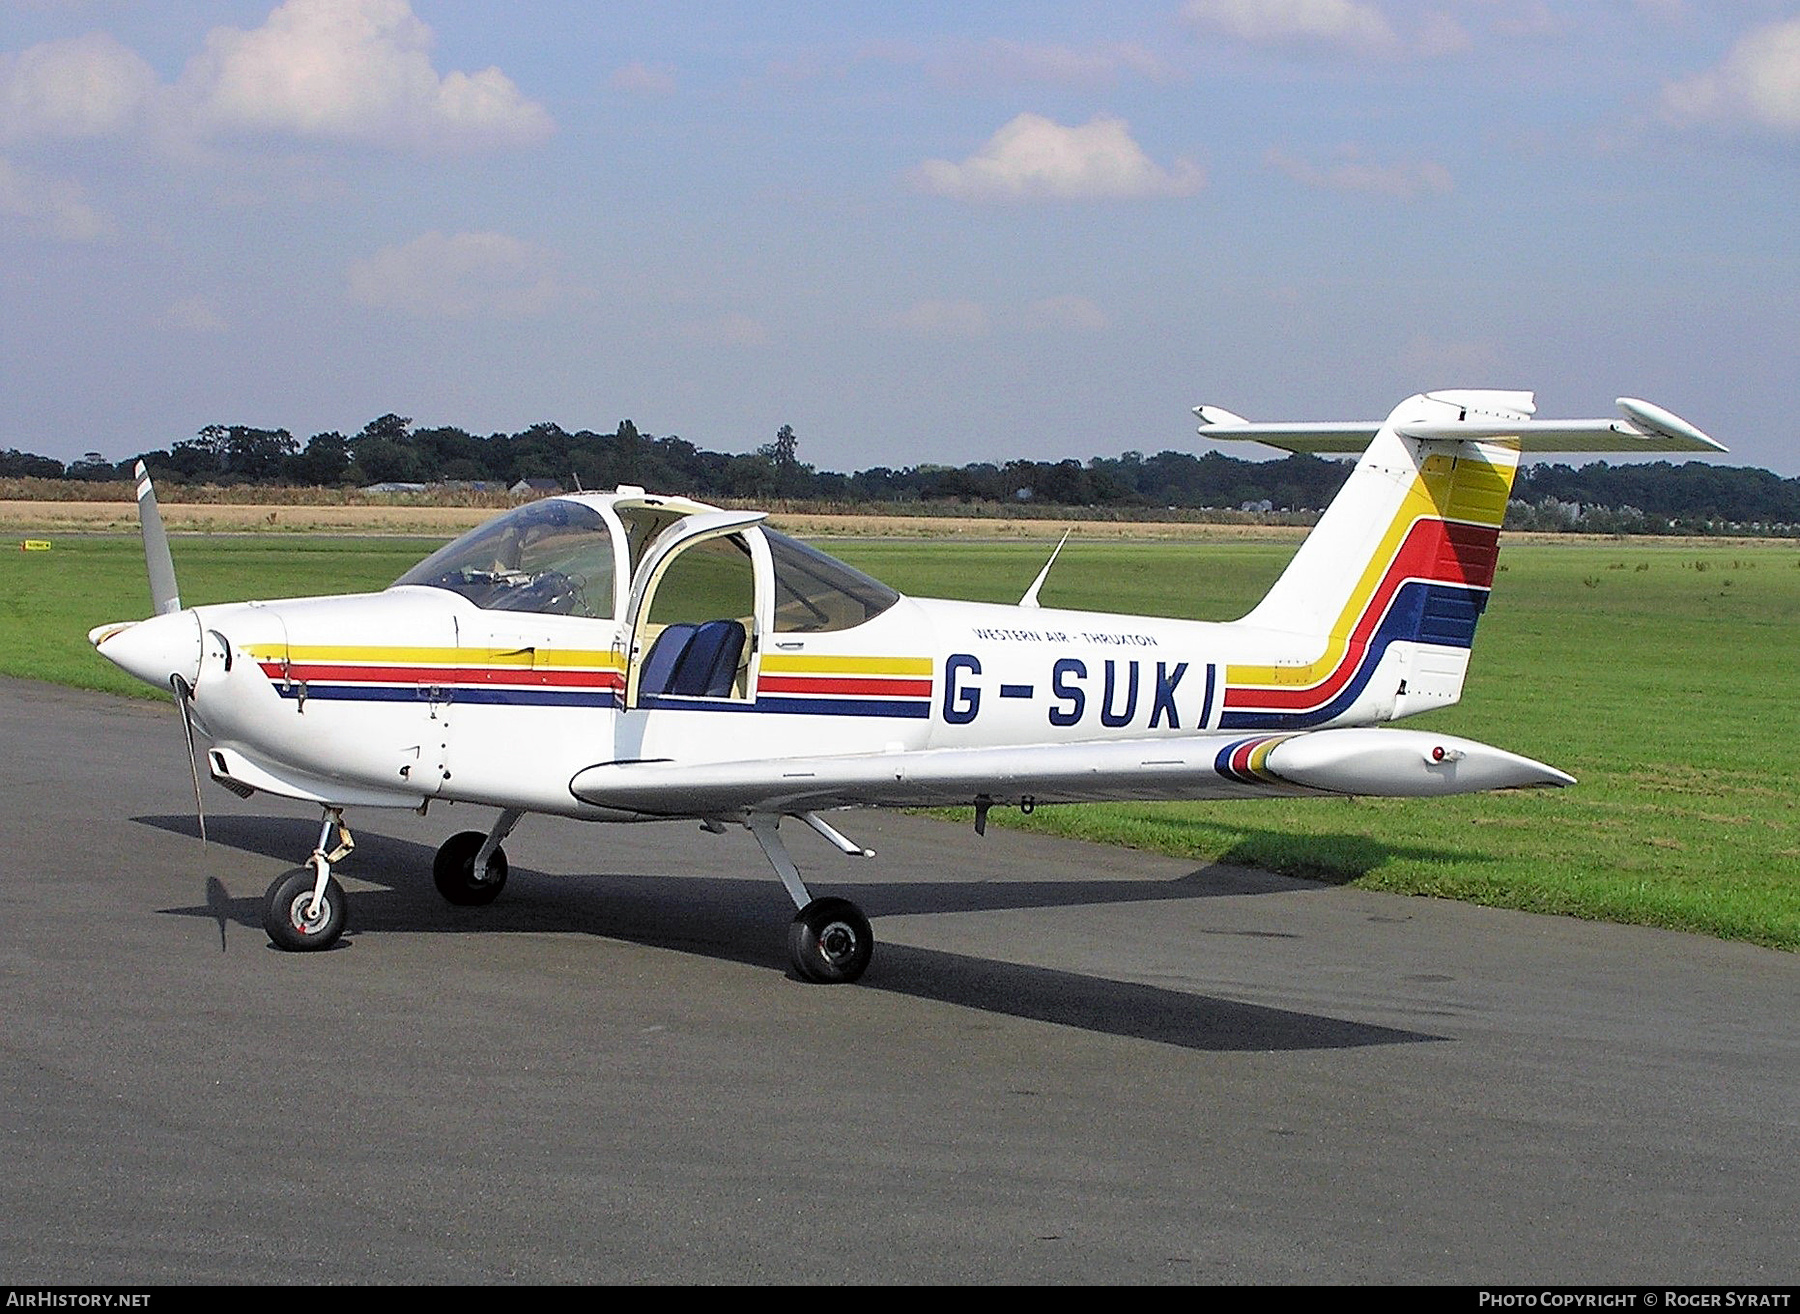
<point x="1383" y="596"/>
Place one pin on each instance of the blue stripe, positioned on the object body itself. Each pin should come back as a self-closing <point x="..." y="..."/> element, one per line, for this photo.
<point x="388" y="693"/>
<point x="1222" y="763"/>
<point x="1423" y="612"/>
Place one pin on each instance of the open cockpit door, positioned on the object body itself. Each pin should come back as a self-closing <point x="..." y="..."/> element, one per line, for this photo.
<point x="699" y="606"/>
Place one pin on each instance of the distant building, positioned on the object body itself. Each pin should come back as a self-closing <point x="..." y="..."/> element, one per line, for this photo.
<point x="535" y="487"/>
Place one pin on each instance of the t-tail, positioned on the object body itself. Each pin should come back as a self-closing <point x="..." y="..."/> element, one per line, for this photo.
<point x="1378" y="609"/>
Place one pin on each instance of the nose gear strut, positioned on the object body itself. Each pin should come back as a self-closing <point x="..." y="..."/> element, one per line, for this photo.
<point x="304" y="909"/>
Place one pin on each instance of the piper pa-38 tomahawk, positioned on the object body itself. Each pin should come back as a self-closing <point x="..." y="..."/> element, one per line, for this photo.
<point x="628" y="657"/>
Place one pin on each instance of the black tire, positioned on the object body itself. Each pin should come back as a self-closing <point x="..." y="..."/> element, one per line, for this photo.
<point x="285" y="909"/>
<point x="830" y="941"/>
<point x="453" y="871"/>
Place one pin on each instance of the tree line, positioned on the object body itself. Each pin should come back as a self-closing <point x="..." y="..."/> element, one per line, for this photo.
<point x="1650" y="497"/>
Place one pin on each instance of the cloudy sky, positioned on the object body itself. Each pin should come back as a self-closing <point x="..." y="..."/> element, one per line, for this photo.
<point x="930" y="232"/>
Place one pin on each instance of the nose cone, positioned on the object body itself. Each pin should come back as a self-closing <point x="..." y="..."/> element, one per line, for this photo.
<point x="153" y="649"/>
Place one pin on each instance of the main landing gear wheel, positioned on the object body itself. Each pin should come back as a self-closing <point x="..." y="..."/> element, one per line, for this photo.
<point x="291" y="920"/>
<point x="453" y="870"/>
<point x="830" y="941"/>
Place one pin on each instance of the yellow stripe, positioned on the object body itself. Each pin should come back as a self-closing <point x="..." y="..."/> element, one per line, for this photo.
<point x="788" y="664"/>
<point x="520" y="657"/>
<point x="570" y="657"/>
<point x="1259" y="758"/>
<point x="1469" y="488"/>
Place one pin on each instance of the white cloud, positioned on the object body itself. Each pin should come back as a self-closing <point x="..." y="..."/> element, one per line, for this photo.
<point x="1440" y="34"/>
<point x="1053" y="314"/>
<point x="49" y="205"/>
<point x="1033" y="158"/>
<point x="1757" y="83"/>
<point x="195" y="315"/>
<point x="644" y="79"/>
<point x="945" y="319"/>
<point x="1405" y="181"/>
<point x="457" y="276"/>
<point x="353" y="70"/>
<point x="1342" y="23"/>
<point x="88" y="86"/>
<point x="1531" y="19"/>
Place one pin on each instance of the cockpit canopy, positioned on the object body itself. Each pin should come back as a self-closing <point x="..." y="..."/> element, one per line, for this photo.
<point x="558" y="556"/>
<point x="551" y="556"/>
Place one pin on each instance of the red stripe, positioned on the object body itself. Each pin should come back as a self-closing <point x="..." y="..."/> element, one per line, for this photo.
<point x="1466" y="554"/>
<point x="1441" y="551"/>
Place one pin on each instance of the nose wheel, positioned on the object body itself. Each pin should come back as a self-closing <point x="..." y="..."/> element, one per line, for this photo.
<point x="295" y="920"/>
<point x="305" y="908"/>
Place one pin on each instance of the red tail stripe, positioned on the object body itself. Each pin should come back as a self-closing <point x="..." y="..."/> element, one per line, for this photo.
<point x="1442" y="551"/>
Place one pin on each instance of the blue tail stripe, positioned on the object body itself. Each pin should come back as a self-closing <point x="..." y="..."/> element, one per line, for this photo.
<point x="1423" y="612"/>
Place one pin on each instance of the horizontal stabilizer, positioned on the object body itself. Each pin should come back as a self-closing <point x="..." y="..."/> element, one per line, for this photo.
<point x="1641" y="427"/>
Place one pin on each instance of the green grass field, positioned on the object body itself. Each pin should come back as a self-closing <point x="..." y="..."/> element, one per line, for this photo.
<point x="1663" y="677"/>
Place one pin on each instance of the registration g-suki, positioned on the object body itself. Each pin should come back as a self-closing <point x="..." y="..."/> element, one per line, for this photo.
<point x="632" y="657"/>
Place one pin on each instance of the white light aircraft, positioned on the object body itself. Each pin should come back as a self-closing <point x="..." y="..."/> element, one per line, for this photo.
<point x="629" y="657"/>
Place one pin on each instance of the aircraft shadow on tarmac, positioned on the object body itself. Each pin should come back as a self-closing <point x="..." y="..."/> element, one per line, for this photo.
<point x="743" y="921"/>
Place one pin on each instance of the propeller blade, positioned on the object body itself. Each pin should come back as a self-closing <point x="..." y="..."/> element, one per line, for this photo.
<point x="163" y="595"/>
<point x="183" y="693"/>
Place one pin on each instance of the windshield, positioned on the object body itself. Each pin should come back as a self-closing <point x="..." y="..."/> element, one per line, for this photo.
<point x="550" y="556"/>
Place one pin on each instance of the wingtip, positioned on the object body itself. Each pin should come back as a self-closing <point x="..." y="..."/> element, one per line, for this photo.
<point x="1211" y="416"/>
<point x="1651" y="418"/>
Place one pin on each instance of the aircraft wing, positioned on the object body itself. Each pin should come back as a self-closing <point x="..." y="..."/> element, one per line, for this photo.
<point x="1642" y="427"/>
<point x="1385" y="762"/>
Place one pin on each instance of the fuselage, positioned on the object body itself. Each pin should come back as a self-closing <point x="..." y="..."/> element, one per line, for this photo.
<point x="416" y="694"/>
<point x="420" y="692"/>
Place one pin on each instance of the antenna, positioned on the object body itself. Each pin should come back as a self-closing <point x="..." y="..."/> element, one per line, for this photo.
<point x="1031" y="594"/>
